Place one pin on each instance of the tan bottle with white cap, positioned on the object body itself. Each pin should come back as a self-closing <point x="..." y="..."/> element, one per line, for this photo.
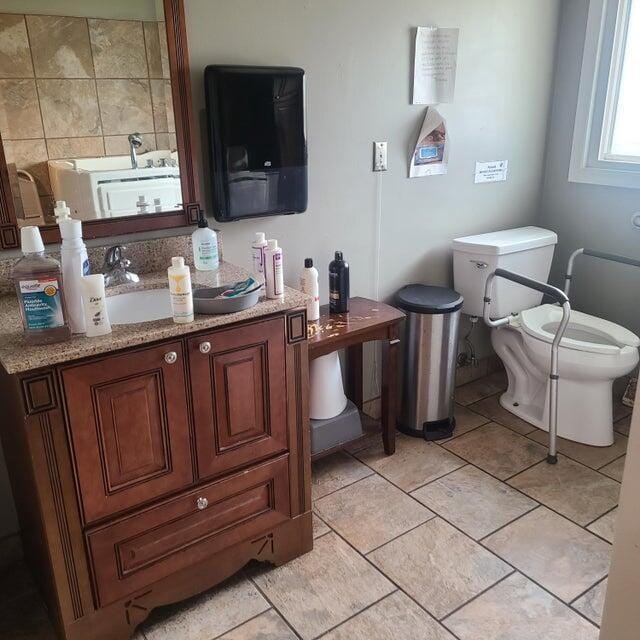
<point x="38" y="281"/>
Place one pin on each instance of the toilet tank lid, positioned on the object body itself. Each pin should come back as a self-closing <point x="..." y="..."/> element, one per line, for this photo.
<point x="507" y="241"/>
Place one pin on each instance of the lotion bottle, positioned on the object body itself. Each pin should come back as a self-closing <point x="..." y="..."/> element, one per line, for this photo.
<point x="95" y="305"/>
<point x="273" y="271"/>
<point x="205" y="246"/>
<point x="258" y="249"/>
<point x="75" y="264"/>
<point x="180" y="291"/>
<point x="309" y="285"/>
<point x="38" y="281"/>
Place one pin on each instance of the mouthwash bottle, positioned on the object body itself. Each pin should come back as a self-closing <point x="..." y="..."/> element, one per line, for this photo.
<point x="38" y="281"/>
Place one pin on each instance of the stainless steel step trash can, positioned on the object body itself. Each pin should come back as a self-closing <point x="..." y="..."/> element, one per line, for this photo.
<point x="430" y="351"/>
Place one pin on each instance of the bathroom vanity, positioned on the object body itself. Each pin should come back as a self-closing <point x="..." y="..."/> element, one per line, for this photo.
<point x="151" y="464"/>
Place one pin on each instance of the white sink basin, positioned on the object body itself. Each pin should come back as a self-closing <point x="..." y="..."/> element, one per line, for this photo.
<point x="139" y="306"/>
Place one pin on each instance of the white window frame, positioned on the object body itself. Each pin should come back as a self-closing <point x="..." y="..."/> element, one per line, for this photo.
<point x="605" y="39"/>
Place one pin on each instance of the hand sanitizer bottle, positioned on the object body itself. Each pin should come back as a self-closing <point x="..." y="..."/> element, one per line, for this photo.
<point x="205" y="246"/>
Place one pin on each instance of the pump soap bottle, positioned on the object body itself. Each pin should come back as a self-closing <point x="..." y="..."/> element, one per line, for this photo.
<point x="205" y="246"/>
<point x="338" y="285"/>
<point x="38" y="281"/>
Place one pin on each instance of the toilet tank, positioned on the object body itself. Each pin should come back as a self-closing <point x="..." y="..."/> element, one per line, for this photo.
<point x="526" y="250"/>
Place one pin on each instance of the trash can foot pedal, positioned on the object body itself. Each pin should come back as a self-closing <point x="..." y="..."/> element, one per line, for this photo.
<point x="438" y="430"/>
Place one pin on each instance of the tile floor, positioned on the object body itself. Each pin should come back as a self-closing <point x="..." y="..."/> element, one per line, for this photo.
<point x="475" y="538"/>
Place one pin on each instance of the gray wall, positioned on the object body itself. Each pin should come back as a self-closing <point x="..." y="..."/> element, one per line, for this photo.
<point x="357" y="54"/>
<point x="585" y="215"/>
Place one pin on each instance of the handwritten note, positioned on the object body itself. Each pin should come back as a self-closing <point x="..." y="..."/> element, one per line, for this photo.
<point x="434" y="67"/>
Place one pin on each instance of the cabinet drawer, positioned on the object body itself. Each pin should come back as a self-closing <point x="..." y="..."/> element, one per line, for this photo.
<point x="239" y="395"/>
<point x="140" y="549"/>
<point x="129" y="425"/>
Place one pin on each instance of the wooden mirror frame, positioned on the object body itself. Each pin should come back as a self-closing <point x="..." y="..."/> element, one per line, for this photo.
<point x="185" y="131"/>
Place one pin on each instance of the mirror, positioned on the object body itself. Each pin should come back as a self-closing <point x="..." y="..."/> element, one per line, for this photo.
<point x="87" y="111"/>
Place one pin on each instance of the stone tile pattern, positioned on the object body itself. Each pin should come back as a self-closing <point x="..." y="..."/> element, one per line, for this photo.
<point x="421" y="548"/>
<point x="76" y="87"/>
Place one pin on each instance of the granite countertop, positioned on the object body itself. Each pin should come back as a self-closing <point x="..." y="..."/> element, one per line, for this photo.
<point x="16" y="356"/>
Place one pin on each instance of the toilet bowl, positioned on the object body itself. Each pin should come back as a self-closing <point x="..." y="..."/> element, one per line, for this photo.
<point x="592" y="354"/>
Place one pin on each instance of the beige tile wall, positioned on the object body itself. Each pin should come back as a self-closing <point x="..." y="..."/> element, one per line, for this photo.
<point x="76" y="87"/>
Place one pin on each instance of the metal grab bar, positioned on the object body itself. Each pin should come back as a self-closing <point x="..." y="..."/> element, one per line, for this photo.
<point x="612" y="257"/>
<point x="563" y="300"/>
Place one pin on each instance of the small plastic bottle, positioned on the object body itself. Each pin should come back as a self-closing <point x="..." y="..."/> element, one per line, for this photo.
<point x="309" y="285"/>
<point x="338" y="284"/>
<point x="180" y="291"/>
<point x="258" y="248"/>
<point x="38" y="281"/>
<point x="205" y="246"/>
<point x="273" y="270"/>
<point x="75" y="264"/>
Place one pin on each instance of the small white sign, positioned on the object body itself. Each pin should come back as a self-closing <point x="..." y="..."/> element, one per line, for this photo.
<point x="491" y="171"/>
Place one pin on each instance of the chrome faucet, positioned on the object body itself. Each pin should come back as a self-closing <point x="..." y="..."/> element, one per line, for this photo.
<point x="116" y="267"/>
<point x="135" y="142"/>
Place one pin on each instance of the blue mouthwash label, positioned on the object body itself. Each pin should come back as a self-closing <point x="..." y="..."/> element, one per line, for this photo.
<point x="42" y="303"/>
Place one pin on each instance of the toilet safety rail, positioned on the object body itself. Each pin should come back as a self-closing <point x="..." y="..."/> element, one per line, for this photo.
<point x="561" y="298"/>
<point x="612" y="257"/>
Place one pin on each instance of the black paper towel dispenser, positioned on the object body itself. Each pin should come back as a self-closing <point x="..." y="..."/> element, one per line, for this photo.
<point x="257" y="140"/>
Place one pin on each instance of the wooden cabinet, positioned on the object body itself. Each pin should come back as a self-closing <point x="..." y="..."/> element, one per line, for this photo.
<point x="149" y="475"/>
<point x="129" y="427"/>
<point x="239" y="396"/>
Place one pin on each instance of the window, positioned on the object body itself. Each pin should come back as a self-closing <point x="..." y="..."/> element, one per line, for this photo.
<point x="606" y="139"/>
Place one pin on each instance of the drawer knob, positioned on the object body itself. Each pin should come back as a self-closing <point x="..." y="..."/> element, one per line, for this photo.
<point x="205" y="347"/>
<point x="202" y="503"/>
<point x="171" y="357"/>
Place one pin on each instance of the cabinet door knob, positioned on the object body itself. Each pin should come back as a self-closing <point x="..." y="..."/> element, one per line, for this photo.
<point x="202" y="503"/>
<point x="205" y="347"/>
<point x="171" y="357"/>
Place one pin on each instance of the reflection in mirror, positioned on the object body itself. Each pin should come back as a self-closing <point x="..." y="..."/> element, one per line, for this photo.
<point x="86" y="110"/>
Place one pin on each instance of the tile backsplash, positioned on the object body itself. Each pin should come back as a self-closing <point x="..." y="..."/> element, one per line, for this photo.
<point x="76" y="87"/>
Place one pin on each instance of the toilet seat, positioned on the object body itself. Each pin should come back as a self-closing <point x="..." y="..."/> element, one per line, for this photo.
<point x="584" y="332"/>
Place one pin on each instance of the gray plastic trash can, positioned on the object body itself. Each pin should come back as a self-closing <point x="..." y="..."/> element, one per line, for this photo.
<point x="431" y="346"/>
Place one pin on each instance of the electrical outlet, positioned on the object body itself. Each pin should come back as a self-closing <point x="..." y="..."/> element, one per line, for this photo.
<point x="379" y="156"/>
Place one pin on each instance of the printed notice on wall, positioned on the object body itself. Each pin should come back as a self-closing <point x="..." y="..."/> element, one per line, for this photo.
<point x="431" y="151"/>
<point x="491" y="171"/>
<point x="434" y="67"/>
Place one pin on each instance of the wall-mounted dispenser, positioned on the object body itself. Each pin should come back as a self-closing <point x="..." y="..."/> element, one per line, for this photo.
<point x="257" y="140"/>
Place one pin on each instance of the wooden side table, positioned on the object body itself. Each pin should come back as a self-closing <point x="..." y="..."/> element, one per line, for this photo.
<point x="367" y="320"/>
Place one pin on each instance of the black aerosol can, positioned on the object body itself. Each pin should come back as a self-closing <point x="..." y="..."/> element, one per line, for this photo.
<point x="338" y="285"/>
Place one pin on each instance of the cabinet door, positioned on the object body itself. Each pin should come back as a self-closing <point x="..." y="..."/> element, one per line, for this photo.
<point x="239" y="395"/>
<point x="129" y="426"/>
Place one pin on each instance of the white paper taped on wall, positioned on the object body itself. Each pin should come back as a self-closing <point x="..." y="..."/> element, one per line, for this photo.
<point x="491" y="171"/>
<point x="434" y="65"/>
<point x="429" y="157"/>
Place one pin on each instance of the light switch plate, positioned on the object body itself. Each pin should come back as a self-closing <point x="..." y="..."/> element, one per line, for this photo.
<point x="379" y="156"/>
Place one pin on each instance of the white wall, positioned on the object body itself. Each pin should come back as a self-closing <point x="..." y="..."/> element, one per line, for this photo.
<point x="583" y="215"/>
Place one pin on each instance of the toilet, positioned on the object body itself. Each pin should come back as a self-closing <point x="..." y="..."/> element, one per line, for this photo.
<point x="592" y="354"/>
